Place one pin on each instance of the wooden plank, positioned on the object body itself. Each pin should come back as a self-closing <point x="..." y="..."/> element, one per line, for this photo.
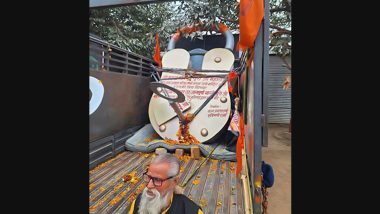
<point x="179" y="152"/>
<point x="124" y="205"/>
<point x="218" y="190"/>
<point x="124" y="209"/>
<point x="105" y="188"/>
<point x="94" y="177"/>
<point x="128" y="193"/>
<point x="108" y="185"/>
<point x="233" y="196"/>
<point x="114" y="168"/>
<point x="186" y="169"/>
<point x="197" y="189"/>
<point x="210" y="193"/>
<point x="220" y="186"/>
<point x="227" y="190"/>
<point x="100" y="167"/>
<point x="239" y="192"/>
<point x="96" y="185"/>
<point x="189" y="184"/>
<point x="122" y="194"/>
<point x="107" y="171"/>
<point x="160" y="150"/>
<point x="195" y="152"/>
<point x="107" y="201"/>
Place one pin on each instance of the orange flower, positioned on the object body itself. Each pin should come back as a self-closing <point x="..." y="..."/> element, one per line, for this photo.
<point x="134" y="180"/>
<point x="232" y="168"/>
<point x="127" y="178"/>
<point x="184" y="137"/>
<point x="92" y="186"/>
<point x="286" y="83"/>
<point x="202" y="203"/>
<point x="196" y="181"/>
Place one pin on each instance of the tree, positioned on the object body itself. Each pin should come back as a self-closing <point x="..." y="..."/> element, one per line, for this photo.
<point x="134" y="27"/>
<point x="280" y="28"/>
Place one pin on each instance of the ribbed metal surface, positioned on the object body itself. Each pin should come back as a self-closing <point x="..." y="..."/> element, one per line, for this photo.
<point x="108" y="147"/>
<point x="279" y="100"/>
<point x="108" y="57"/>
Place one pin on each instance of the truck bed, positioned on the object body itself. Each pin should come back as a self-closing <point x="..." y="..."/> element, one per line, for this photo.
<point x="215" y="186"/>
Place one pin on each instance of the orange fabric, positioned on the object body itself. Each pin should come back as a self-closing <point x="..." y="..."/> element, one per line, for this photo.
<point x="189" y="29"/>
<point x="257" y="199"/>
<point x="231" y="76"/>
<point x="240" y="145"/>
<point x="223" y="28"/>
<point x="177" y="36"/>
<point x="198" y="27"/>
<point x="157" y="56"/>
<point x="251" y="15"/>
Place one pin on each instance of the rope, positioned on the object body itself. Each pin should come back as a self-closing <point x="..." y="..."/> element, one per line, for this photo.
<point x="196" y="170"/>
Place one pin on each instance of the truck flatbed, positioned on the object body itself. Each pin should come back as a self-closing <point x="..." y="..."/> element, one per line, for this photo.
<point x="214" y="187"/>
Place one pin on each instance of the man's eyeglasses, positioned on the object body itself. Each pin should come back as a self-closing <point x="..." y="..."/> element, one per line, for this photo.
<point x="156" y="181"/>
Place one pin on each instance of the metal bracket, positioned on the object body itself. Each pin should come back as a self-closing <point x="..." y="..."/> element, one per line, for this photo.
<point x="263" y="120"/>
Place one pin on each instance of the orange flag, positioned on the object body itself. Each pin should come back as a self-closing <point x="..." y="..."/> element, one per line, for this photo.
<point x="251" y="15"/>
<point x="157" y="56"/>
<point x="240" y="145"/>
<point x="250" y="18"/>
<point x="231" y="77"/>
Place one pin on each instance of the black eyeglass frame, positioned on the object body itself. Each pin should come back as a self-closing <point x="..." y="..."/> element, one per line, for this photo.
<point x="156" y="179"/>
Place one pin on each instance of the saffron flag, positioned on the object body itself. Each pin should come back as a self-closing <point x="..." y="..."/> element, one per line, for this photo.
<point x="250" y="18"/>
<point x="157" y="56"/>
<point x="240" y="145"/>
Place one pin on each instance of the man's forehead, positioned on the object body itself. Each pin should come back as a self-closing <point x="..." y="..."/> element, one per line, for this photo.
<point x="159" y="170"/>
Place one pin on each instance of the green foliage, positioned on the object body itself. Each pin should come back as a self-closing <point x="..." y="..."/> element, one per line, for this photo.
<point x="280" y="27"/>
<point x="134" y="27"/>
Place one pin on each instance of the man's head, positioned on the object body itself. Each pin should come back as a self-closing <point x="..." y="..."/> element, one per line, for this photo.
<point x="161" y="179"/>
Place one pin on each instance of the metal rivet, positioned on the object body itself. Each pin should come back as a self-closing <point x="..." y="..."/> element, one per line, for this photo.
<point x="159" y="89"/>
<point x="223" y="99"/>
<point x="204" y="132"/>
<point x="217" y="59"/>
<point x="162" y="128"/>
